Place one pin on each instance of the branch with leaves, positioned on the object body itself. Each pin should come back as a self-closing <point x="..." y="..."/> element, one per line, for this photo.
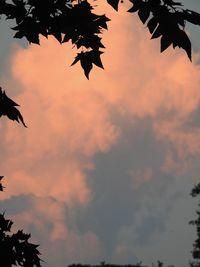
<point x="77" y="22"/>
<point x="16" y="250"/>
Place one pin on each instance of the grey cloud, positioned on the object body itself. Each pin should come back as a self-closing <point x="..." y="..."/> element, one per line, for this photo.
<point x="117" y="203"/>
<point x="16" y="204"/>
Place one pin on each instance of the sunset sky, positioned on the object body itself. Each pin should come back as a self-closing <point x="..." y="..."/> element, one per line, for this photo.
<point x="105" y="168"/>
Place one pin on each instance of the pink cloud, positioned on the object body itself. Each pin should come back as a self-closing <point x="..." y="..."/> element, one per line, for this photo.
<point x="68" y="123"/>
<point x="70" y="120"/>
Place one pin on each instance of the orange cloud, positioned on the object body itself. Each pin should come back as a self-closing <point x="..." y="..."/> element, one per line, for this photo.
<point x="70" y="120"/>
<point x="68" y="123"/>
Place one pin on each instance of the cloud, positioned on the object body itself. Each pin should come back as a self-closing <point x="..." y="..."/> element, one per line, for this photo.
<point x="68" y="124"/>
<point x="141" y="176"/>
<point x="53" y="225"/>
<point x="98" y="155"/>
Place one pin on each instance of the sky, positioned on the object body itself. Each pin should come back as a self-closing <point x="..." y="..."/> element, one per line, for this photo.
<point x="105" y="168"/>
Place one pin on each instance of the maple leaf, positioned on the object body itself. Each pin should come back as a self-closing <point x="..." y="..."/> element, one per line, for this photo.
<point x="87" y="59"/>
<point x="114" y="3"/>
<point x="8" y="108"/>
<point x="76" y="21"/>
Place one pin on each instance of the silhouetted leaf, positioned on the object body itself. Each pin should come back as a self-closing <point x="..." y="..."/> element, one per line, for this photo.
<point x="18" y="35"/>
<point x="152" y="24"/>
<point x="172" y="3"/>
<point x="87" y="59"/>
<point x="77" y="59"/>
<point x="86" y="64"/>
<point x="137" y="5"/>
<point x="95" y="56"/>
<point x="165" y="42"/>
<point x="5" y="225"/>
<point x="143" y="14"/>
<point x="157" y="33"/>
<point x="192" y="16"/>
<point x="134" y="8"/>
<point x="8" y="108"/>
<point x="102" y="21"/>
<point x="183" y="41"/>
<point x="1" y="186"/>
<point x="114" y="3"/>
<point x="14" y="114"/>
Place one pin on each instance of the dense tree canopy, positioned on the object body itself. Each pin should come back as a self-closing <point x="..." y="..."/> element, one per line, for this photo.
<point x="76" y="21"/>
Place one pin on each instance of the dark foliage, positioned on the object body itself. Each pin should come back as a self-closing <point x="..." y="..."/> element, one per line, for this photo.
<point x="66" y="22"/>
<point x="15" y="248"/>
<point x="166" y="19"/>
<point x="196" y="246"/>
<point x="196" y="190"/>
<point x="75" y="21"/>
<point x="1" y="186"/>
<point x="8" y="108"/>
<point x="103" y="264"/>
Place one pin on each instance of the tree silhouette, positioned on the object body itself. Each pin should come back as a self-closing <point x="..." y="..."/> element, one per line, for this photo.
<point x="76" y="21"/>
<point x="15" y="248"/>
<point x="103" y="264"/>
<point x="196" y="246"/>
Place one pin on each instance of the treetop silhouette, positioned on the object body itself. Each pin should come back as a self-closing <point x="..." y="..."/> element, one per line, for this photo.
<point x="76" y="21"/>
<point x="196" y="245"/>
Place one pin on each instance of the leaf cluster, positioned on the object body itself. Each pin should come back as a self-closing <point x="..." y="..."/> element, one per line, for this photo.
<point x="77" y="22"/>
<point x="166" y="19"/>
<point x="15" y="248"/>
